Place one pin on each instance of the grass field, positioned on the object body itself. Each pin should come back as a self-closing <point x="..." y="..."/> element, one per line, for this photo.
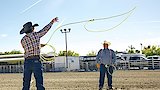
<point x="122" y="80"/>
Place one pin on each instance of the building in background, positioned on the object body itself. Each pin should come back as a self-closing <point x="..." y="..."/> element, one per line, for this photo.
<point x="62" y="65"/>
<point x="14" y="63"/>
<point x="88" y="63"/>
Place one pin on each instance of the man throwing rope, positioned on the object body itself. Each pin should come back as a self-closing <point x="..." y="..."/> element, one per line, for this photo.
<point x="105" y="59"/>
<point x="31" y="44"/>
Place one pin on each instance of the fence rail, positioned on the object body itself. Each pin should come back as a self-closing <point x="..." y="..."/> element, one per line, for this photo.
<point x="140" y="64"/>
<point x="47" y="67"/>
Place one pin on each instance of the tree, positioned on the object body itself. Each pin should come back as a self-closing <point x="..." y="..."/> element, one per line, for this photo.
<point x="15" y="52"/>
<point x="70" y="53"/>
<point x="91" y="53"/>
<point x="151" y="50"/>
<point x="62" y="53"/>
<point x="137" y="51"/>
<point x="131" y="49"/>
<point x="12" y="52"/>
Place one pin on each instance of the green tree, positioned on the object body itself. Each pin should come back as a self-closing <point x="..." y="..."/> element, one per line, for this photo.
<point x="158" y="51"/>
<point x="11" y="52"/>
<point x="91" y="53"/>
<point x="137" y="51"/>
<point x="151" y="50"/>
<point x="131" y="49"/>
<point x="70" y="53"/>
<point x="15" y="52"/>
<point x="62" y="53"/>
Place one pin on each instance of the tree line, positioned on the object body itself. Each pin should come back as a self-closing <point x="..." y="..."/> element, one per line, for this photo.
<point x="11" y="52"/>
<point x="147" y="50"/>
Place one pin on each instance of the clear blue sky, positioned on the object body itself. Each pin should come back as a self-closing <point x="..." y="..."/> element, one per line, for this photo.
<point x="141" y="27"/>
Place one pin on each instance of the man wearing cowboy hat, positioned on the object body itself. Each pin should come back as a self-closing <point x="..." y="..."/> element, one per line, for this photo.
<point x="31" y="44"/>
<point x="105" y="58"/>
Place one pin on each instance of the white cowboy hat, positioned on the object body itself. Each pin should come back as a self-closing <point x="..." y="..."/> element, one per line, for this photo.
<point x="106" y="42"/>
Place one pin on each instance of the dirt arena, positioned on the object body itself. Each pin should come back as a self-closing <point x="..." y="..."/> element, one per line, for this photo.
<point x="122" y="80"/>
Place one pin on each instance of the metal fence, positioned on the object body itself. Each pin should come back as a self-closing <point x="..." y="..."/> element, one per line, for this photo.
<point x="87" y="66"/>
<point x="11" y="68"/>
<point x="47" y="67"/>
<point x="139" y="64"/>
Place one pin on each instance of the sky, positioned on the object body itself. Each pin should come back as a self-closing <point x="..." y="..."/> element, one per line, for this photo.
<point x="142" y="26"/>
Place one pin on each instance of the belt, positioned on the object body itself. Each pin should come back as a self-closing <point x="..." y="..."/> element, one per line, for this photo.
<point x="33" y="57"/>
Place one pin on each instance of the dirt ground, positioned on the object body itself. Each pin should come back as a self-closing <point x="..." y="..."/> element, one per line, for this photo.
<point x="122" y="80"/>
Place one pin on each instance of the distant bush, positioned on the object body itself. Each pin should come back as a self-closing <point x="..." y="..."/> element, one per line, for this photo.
<point x="11" y="52"/>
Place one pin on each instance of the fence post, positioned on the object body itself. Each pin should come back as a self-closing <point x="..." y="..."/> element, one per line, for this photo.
<point x="152" y="64"/>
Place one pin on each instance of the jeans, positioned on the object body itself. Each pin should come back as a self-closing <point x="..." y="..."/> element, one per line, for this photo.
<point x="32" y="65"/>
<point x="108" y="71"/>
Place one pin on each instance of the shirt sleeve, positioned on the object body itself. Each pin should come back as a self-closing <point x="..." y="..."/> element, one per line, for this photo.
<point x="23" y="43"/>
<point x="43" y="31"/>
<point x="113" y="57"/>
<point x="98" y="57"/>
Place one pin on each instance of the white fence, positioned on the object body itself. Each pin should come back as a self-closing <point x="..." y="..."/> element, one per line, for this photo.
<point x="139" y="64"/>
<point x="154" y="64"/>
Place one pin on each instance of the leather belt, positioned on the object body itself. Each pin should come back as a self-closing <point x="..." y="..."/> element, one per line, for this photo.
<point x="33" y="57"/>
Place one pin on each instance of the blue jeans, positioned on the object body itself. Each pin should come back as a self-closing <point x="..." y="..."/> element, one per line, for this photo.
<point x="32" y="65"/>
<point x="103" y="71"/>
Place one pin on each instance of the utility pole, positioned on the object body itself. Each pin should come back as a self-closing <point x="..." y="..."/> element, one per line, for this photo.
<point x="65" y="31"/>
<point x="141" y="47"/>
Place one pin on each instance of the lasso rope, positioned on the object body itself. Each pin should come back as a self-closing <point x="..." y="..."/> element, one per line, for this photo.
<point x="91" y="20"/>
<point x="108" y="70"/>
<point x="103" y="30"/>
<point x="86" y="23"/>
<point x="43" y="58"/>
